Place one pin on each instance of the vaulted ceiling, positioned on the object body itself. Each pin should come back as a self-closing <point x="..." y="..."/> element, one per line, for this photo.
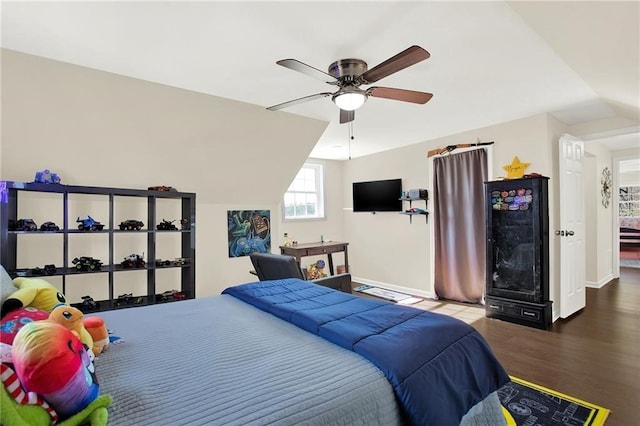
<point x="490" y="61"/>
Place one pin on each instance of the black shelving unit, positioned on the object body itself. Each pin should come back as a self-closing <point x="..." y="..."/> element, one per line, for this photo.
<point x="409" y="213"/>
<point x="10" y="199"/>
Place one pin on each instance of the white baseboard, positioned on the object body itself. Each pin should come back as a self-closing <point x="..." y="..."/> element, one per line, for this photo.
<point x="600" y="283"/>
<point x="407" y="290"/>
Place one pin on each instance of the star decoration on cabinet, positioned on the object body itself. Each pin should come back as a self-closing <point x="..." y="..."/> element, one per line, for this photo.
<point x="516" y="169"/>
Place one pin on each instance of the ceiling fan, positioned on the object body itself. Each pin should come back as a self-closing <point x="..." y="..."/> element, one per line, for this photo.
<point x="349" y="74"/>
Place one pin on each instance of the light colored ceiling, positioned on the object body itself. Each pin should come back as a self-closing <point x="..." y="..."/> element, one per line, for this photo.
<point x="490" y="61"/>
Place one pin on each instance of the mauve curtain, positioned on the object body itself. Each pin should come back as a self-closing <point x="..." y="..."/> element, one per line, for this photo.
<point x="459" y="221"/>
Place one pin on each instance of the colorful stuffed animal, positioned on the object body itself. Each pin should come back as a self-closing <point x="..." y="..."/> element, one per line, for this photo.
<point x="99" y="333"/>
<point x="50" y="360"/>
<point x="40" y="294"/>
<point x="73" y="319"/>
<point x="15" y="320"/>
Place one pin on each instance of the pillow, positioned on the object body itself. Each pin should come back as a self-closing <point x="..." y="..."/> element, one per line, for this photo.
<point x="6" y="285"/>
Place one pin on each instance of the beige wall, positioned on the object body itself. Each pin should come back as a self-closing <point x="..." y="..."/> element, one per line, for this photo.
<point x="100" y="129"/>
<point x="599" y="251"/>
<point x="385" y="247"/>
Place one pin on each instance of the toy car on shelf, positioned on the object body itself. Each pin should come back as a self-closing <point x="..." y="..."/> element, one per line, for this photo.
<point x="131" y="225"/>
<point x="165" y="262"/>
<point x="167" y="225"/>
<point x="87" y="263"/>
<point x="180" y="261"/>
<point x="124" y="299"/>
<point x="162" y="188"/>
<point x="133" y="261"/>
<point x="23" y="225"/>
<point x="88" y="304"/>
<point x="47" y="270"/>
<point x="49" y="227"/>
<point x="89" y="224"/>
<point x="46" y="176"/>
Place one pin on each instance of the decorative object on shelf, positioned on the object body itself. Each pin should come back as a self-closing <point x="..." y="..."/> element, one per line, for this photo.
<point x="248" y="231"/>
<point x="46" y="176"/>
<point x="167" y="225"/>
<point x="447" y="149"/>
<point x="87" y="263"/>
<point x="22" y="225"/>
<point x="516" y="169"/>
<point x="49" y="269"/>
<point x="606" y="183"/>
<point x="89" y="224"/>
<point x="133" y="261"/>
<point x="49" y="227"/>
<point x="162" y="188"/>
<point x="131" y="225"/>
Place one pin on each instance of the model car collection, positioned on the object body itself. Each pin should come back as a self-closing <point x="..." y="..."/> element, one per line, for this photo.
<point x="22" y="225"/>
<point x="133" y="261"/>
<point x="47" y="270"/>
<point x="89" y="224"/>
<point x="167" y="225"/>
<point x="87" y="263"/>
<point x="49" y="227"/>
<point x="131" y="225"/>
<point x="46" y="176"/>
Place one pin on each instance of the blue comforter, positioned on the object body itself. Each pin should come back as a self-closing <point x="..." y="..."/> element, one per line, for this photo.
<point x="439" y="366"/>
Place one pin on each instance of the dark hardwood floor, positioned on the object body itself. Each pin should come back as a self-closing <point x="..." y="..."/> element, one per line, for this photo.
<point x="593" y="356"/>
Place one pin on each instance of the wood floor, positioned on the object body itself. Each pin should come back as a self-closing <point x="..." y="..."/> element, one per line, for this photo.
<point x="593" y="356"/>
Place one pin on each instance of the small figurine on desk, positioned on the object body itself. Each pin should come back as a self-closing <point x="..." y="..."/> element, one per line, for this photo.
<point x="287" y="241"/>
<point x="316" y="270"/>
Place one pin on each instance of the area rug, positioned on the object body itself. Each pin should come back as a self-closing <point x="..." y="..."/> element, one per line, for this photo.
<point x="394" y="296"/>
<point x="525" y="403"/>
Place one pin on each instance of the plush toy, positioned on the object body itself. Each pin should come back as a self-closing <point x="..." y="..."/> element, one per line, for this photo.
<point x="50" y="360"/>
<point x="73" y="319"/>
<point x="34" y="292"/>
<point x="15" y="320"/>
<point x="99" y="333"/>
<point x="6" y="285"/>
<point x="40" y="294"/>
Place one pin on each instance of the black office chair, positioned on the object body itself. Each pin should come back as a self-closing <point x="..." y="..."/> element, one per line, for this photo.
<point x="270" y="266"/>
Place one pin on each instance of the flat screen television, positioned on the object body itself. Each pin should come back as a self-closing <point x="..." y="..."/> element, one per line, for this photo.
<point x="377" y="196"/>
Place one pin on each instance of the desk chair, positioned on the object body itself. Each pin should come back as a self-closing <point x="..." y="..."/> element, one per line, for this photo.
<point x="270" y="266"/>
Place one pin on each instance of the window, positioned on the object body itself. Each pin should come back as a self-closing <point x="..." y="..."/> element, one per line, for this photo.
<point x="305" y="197"/>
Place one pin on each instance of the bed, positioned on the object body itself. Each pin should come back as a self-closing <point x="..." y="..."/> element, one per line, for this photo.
<point x="288" y="352"/>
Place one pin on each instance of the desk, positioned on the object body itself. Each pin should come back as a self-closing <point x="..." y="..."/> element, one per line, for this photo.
<point x="314" y="249"/>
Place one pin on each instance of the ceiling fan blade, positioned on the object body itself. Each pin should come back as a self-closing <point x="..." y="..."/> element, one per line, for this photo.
<point x="400" y="94"/>
<point x="296" y="65"/>
<point x="402" y="60"/>
<point x="347" y="116"/>
<point x="299" y="101"/>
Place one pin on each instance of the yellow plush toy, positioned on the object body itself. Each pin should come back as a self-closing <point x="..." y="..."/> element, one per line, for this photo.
<point x="34" y="292"/>
<point x="72" y="318"/>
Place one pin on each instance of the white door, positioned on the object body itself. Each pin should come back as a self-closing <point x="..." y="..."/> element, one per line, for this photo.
<point x="571" y="232"/>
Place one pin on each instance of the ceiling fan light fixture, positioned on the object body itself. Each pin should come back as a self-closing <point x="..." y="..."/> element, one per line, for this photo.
<point x="349" y="101"/>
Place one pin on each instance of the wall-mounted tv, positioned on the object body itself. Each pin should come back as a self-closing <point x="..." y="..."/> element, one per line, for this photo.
<point x="377" y="196"/>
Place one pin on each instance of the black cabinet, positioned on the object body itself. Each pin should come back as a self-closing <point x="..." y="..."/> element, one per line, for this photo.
<point x="19" y="200"/>
<point x="517" y="225"/>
